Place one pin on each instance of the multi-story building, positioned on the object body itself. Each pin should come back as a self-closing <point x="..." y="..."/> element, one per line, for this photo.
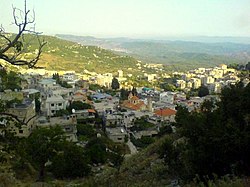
<point x="46" y="84"/>
<point x="25" y="112"/>
<point x="207" y="80"/>
<point x="196" y="83"/>
<point x="104" y="80"/>
<point x="53" y="104"/>
<point x="120" y="73"/>
<point x="67" y="123"/>
<point x="181" y="84"/>
<point x="167" y="97"/>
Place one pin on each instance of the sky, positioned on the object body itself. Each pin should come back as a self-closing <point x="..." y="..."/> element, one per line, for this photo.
<point x="135" y="18"/>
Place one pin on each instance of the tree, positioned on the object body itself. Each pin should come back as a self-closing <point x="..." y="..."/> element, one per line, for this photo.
<point x="43" y="145"/>
<point x="79" y="105"/>
<point x="37" y="105"/>
<point x="85" y="130"/>
<point x="115" y="84"/>
<point x="134" y="91"/>
<point x="214" y="140"/>
<point x="96" y="150"/>
<point x="167" y="87"/>
<point x="123" y="94"/>
<point x="15" y="46"/>
<point x="10" y="80"/>
<point x="71" y="162"/>
<point x="203" y="91"/>
<point x="248" y="66"/>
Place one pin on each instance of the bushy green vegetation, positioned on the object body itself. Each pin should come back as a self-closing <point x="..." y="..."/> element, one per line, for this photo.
<point x="47" y="152"/>
<point x="85" y="132"/>
<point x="78" y="105"/>
<point x="213" y="140"/>
<point x="142" y="124"/>
<point x="102" y="150"/>
<point x="203" y="91"/>
<point x="9" y="80"/>
<point x="143" y="142"/>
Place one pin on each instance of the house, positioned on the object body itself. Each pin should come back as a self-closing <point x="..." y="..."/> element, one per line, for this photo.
<point x="134" y="103"/>
<point x="196" y="82"/>
<point x="69" y="76"/>
<point x="67" y="123"/>
<point x="148" y="133"/>
<point x="104" y="80"/>
<point x="80" y="96"/>
<point x="167" y="97"/>
<point x="84" y="114"/>
<point x="46" y="84"/>
<point x="117" y="134"/>
<point x="114" y="120"/>
<point x="31" y="93"/>
<point x="166" y="114"/>
<point x="24" y="112"/>
<point x="101" y="96"/>
<point x="181" y="84"/>
<point x="53" y="104"/>
<point x="82" y="84"/>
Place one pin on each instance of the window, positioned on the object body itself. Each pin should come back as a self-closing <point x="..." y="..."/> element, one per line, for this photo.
<point x="52" y="111"/>
<point x="52" y="104"/>
<point x="21" y="131"/>
<point x="67" y="129"/>
<point x="119" y="138"/>
<point x="59" y="104"/>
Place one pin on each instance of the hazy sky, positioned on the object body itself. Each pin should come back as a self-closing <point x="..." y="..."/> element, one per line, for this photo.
<point x="136" y="18"/>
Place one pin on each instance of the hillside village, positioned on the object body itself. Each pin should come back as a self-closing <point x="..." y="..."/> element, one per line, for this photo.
<point x="113" y="119"/>
<point x="118" y="117"/>
<point x="158" y="108"/>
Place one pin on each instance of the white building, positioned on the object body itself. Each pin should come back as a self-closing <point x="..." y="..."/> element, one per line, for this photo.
<point x="196" y="83"/>
<point x="117" y="134"/>
<point x="67" y="123"/>
<point x="104" y="80"/>
<point x="69" y="76"/>
<point x="53" y="104"/>
<point x="151" y="77"/>
<point x="167" y="97"/>
<point x="46" y="84"/>
<point x="120" y="73"/>
<point x="207" y="80"/>
<point x="181" y="84"/>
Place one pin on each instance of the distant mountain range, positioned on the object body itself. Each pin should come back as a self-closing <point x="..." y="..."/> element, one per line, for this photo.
<point x="200" y="51"/>
<point x="102" y="55"/>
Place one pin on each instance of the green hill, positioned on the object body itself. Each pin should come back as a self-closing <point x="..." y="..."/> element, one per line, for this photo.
<point x="59" y="54"/>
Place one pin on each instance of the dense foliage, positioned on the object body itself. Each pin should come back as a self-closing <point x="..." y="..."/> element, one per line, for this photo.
<point x="9" y="80"/>
<point x="115" y="84"/>
<point x="78" y="105"/>
<point x="71" y="162"/>
<point x="203" y="91"/>
<point x="213" y="140"/>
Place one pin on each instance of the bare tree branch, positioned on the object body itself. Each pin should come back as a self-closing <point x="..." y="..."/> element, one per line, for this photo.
<point x="22" y="19"/>
<point x="13" y="117"/>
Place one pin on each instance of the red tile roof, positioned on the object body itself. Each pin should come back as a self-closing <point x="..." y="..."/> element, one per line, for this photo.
<point x="132" y="106"/>
<point x="134" y="98"/>
<point x="91" y="111"/>
<point x="165" y="112"/>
